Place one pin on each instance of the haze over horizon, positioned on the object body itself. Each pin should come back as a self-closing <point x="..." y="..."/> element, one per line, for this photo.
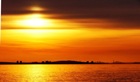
<point x="83" y="30"/>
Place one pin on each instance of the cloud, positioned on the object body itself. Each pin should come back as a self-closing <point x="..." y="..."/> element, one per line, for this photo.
<point x="126" y="13"/>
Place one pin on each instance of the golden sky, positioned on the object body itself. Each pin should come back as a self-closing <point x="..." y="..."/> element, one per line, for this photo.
<point x="39" y="33"/>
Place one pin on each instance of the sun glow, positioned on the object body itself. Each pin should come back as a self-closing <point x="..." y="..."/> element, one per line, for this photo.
<point x="35" y="21"/>
<point x="36" y="8"/>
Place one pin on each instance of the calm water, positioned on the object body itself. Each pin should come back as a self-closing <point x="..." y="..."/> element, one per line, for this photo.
<point x="70" y="73"/>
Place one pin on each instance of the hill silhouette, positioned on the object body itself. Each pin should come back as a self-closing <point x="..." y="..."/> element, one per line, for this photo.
<point x="69" y="62"/>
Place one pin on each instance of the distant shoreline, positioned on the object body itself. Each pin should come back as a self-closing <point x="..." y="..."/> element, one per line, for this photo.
<point x="66" y="62"/>
<point x="61" y="64"/>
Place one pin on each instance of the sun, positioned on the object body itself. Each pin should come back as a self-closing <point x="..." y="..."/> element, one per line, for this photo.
<point x="35" y="21"/>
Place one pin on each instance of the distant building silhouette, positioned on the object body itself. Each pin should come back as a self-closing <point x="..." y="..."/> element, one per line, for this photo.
<point x="17" y="61"/>
<point x="87" y="62"/>
<point x="91" y="62"/>
<point x="20" y="62"/>
<point x="43" y="62"/>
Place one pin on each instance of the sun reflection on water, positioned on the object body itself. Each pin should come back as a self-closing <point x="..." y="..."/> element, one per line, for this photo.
<point x="37" y="73"/>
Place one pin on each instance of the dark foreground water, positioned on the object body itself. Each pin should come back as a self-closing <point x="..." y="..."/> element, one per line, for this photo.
<point x="70" y="73"/>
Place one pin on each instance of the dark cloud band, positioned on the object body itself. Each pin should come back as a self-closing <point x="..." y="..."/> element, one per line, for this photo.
<point x="125" y="12"/>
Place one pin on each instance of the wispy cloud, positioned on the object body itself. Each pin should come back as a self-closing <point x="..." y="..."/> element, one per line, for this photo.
<point x="121" y="13"/>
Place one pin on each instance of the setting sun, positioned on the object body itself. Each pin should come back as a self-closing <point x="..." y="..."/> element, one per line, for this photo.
<point x="35" y="21"/>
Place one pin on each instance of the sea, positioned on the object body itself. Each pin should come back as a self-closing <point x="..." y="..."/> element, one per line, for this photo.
<point x="70" y="73"/>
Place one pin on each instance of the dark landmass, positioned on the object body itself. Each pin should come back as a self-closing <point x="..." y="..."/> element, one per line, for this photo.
<point x="69" y="62"/>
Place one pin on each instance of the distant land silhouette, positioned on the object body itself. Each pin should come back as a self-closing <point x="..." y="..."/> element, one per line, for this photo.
<point x="69" y="62"/>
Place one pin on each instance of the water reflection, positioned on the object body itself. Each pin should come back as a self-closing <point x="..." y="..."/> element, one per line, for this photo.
<point x="36" y="73"/>
<point x="69" y="73"/>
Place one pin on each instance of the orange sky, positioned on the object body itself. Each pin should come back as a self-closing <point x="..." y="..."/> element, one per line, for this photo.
<point x="81" y="43"/>
<point x="40" y="36"/>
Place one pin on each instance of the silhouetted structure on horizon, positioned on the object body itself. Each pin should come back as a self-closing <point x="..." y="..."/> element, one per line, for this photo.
<point x="69" y="62"/>
<point x="19" y="62"/>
